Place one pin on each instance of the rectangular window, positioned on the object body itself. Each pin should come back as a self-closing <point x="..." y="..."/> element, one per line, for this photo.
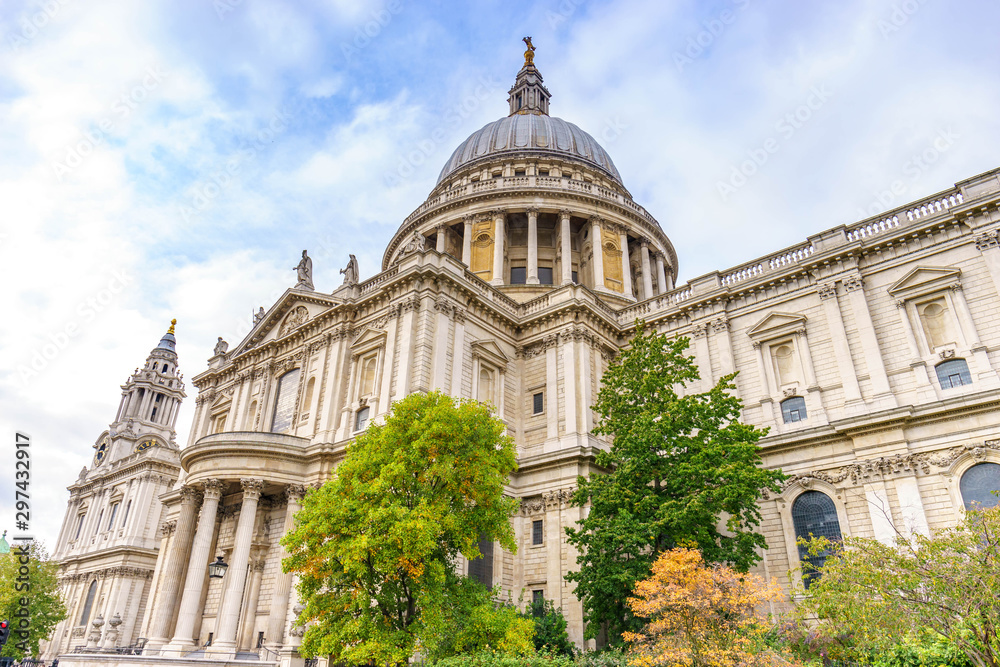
<point x="519" y="172"/>
<point x="100" y="518"/>
<point x="538" y="403"/>
<point x="284" y="405"/>
<point x="536" y="531"/>
<point x="575" y="278"/>
<point x="481" y="569"/>
<point x="518" y="275"/>
<point x="361" y="419"/>
<point x="260" y="639"/>
<point x="79" y="526"/>
<point x="545" y="275"/>
<point x="543" y="172"/>
<point x="114" y="512"/>
<point x="538" y="602"/>
<point x="208" y="642"/>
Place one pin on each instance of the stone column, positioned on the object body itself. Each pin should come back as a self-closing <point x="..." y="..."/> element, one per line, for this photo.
<point x="180" y="548"/>
<point x="467" y="240"/>
<point x="197" y="570"/>
<point x="925" y="391"/>
<point x="841" y="348"/>
<point x="570" y="383"/>
<point x="985" y="372"/>
<point x="275" y="636"/>
<point x="250" y="606"/>
<point x="597" y="245"/>
<point x="884" y="398"/>
<point x="566" y="247"/>
<point x="532" y="246"/>
<point x="766" y="403"/>
<point x="661" y="275"/>
<point x="626" y="267"/>
<point x="236" y="575"/>
<point x="647" y="273"/>
<point x="814" y="397"/>
<point x="441" y="231"/>
<point x="498" y="246"/>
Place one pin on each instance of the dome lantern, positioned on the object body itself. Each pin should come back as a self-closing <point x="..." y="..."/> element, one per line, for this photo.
<point x="528" y="95"/>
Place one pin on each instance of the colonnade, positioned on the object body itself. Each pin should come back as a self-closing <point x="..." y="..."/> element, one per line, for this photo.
<point x="182" y="588"/>
<point x="651" y="258"/>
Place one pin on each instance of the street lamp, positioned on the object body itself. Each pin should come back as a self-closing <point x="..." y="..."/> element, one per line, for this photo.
<point x="217" y="569"/>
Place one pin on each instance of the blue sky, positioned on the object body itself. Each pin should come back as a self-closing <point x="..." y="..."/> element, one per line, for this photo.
<point x="172" y="159"/>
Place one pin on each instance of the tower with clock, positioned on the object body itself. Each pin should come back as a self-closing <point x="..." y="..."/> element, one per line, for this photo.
<point x="108" y="544"/>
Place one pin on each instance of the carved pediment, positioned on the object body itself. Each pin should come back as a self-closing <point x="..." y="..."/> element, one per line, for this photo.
<point x="489" y="350"/>
<point x="924" y="279"/>
<point x="369" y="339"/>
<point x="293" y="310"/>
<point x="775" y="325"/>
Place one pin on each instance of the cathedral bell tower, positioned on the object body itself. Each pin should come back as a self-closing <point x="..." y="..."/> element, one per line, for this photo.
<point x="114" y="527"/>
<point x="151" y="401"/>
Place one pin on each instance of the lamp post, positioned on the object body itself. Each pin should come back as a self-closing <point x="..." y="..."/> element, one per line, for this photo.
<point x="217" y="569"/>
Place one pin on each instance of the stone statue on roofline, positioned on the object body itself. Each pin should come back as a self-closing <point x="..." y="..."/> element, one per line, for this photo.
<point x="304" y="272"/>
<point x="351" y="271"/>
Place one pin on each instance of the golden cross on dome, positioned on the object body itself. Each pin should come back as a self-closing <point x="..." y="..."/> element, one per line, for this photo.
<point x="529" y="55"/>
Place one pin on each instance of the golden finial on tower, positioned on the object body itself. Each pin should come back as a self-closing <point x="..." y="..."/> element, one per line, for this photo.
<point x="529" y="55"/>
<point x="173" y="323"/>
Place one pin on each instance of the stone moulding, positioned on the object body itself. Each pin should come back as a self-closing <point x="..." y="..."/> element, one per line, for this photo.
<point x="898" y="464"/>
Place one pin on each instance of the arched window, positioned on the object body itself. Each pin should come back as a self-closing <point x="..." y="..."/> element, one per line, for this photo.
<point x="953" y="373"/>
<point x="814" y="515"/>
<point x="284" y="404"/>
<point x="89" y="604"/>
<point x="793" y="409"/>
<point x="978" y="484"/>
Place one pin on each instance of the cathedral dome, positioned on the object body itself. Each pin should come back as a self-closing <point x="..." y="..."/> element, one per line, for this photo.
<point x="529" y="132"/>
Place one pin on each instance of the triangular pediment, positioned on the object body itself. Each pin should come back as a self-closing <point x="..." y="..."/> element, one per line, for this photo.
<point x="777" y="324"/>
<point x="369" y="339"/>
<point x="489" y="349"/>
<point x="924" y="279"/>
<point x="294" y="309"/>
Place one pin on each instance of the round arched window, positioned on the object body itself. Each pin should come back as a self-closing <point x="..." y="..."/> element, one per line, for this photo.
<point x="978" y="484"/>
<point x="814" y="515"/>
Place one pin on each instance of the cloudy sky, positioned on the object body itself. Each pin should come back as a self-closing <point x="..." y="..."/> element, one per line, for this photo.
<point x="172" y="159"/>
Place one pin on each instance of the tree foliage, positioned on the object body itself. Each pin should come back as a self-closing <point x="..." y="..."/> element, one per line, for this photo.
<point x="550" y="628"/>
<point x="375" y="547"/>
<point x="882" y="595"/>
<point x="699" y="615"/>
<point x="28" y="575"/>
<point x="680" y="466"/>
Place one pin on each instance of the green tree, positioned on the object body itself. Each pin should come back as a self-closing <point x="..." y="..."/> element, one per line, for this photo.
<point x="679" y="467"/>
<point x="27" y="575"/>
<point x="550" y="628"/>
<point x="375" y="547"/>
<point x="919" y="589"/>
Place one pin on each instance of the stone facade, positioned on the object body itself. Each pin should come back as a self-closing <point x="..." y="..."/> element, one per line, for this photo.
<point x="869" y="351"/>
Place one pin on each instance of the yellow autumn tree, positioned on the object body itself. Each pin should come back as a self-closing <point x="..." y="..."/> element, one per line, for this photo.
<point x="700" y="615"/>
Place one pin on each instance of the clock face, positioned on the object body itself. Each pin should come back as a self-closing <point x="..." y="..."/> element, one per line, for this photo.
<point x="144" y="445"/>
<point x="102" y="451"/>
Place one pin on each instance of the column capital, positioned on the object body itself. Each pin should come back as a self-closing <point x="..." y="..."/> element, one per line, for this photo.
<point x="644" y="242"/>
<point x="499" y="213"/>
<point x="252" y="488"/>
<point x="827" y="290"/>
<point x="470" y="218"/>
<point x="565" y="213"/>
<point x="213" y="488"/>
<point x="955" y="287"/>
<point x="987" y="240"/>
<point x="853" y="283"/>
<point x="595" y="220"/>
<point x="294" y="493"/>
<point x="189" y="495"/>
<point x="531" y="210"/>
